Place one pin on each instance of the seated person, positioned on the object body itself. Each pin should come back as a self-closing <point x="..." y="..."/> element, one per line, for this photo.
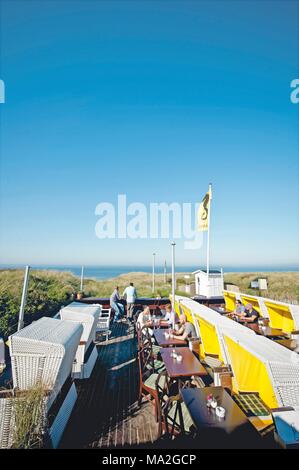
<point x="186" y="330"/>
<point x="171" y="317"/>
<point x="250" y="315"/>
<point x="240" y="309"/>
<point x="116" y="304"/>
<point x="144" y="318"/>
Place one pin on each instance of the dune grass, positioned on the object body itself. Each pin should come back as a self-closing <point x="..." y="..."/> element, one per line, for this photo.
<point x="283" y="286"/>
<point x="30" y="418"/>
<point x="142" y="282"/>
<point x="49" y="290"/>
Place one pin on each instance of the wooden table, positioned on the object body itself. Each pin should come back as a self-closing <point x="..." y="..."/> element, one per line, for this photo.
<point x="234" y="430"/>
<point x="161" y="324"/>
<point x="268" y="331"/>
<point x="189" y="365"/>
<point x="159" y="335"/>
<point x="288" y="343"/>
<point x="221" y="310"/>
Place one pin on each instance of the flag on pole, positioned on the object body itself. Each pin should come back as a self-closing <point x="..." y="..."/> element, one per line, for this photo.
<point x="203" y="212"/>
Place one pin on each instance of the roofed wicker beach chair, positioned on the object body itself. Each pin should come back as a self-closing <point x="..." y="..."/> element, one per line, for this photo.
<point x="281" y="315"/>
<point x="264" y="367"/>
<point x="208" y="324"/>
<point x="86" y="354"/>
<point x="6" y="419"/>
<point x="43" y="354"/>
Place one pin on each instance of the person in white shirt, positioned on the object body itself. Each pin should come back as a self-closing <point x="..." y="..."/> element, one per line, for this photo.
<point x="130" y="294"/>
<point x="144" y="318"/>
<point x="171" y="317"/>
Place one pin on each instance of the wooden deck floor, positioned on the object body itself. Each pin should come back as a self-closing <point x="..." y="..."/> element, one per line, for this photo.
<point x="106" y="414"/>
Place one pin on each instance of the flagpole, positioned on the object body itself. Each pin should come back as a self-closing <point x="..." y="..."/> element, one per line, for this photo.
<point x="173" y="275"/>
<point x="208" y="241"/>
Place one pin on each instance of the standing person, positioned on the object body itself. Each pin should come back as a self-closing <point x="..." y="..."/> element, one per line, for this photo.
<point x="130" y="294"/>
<point x="116" y="304"/>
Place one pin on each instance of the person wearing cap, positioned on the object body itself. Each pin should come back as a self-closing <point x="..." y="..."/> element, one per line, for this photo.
<point x="250" y="315"/>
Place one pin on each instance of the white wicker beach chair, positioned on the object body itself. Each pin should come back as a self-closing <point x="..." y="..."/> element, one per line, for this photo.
<point x="208" y="325"/>
<point x="263" y="366"/>
<point x="282" y="315"/>
<point x="6" y="420"/>
<point x="230" y="298"/>
<point x="44" y="352"/>
<point x="86" y="355"/>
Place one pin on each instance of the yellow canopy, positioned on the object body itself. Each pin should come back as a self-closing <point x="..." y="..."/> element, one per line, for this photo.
<point x="248" y="299"/>
<point x="280" y="316"/>
<point x="250" y="373"/>
<point x="230" y="300"/>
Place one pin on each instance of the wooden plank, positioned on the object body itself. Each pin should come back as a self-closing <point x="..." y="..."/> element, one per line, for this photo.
<point x="106" y="413"/>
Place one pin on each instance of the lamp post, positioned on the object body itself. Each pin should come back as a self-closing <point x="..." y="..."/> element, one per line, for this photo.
<point x="173" y="273"/>
<point x="153" y="286"/>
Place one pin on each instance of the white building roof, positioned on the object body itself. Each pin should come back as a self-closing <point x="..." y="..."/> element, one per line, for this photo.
<point x="211" y="271"/>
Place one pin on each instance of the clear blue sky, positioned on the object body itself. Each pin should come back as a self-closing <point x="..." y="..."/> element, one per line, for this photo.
<point x="152" y="99"/>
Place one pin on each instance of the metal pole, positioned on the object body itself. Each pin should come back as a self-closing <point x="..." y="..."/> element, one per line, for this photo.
<point x="153" y="288"/>
<point x="24" y="298"/>
<point x="208" y="241"/>
<point x="222" y="278"/>
<point x="82" y="278"/>
<point x="165" y="278"/>
<point x="173" y="273"/>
